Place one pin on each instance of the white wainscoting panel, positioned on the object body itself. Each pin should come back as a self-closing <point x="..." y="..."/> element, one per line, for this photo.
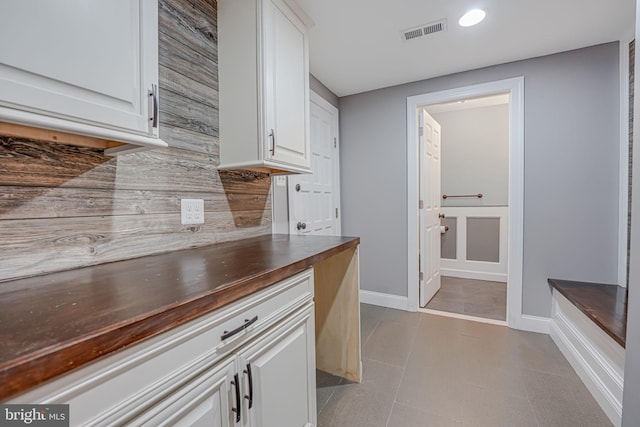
<point x="479" y="270"/>
<point x="595" y="356"/>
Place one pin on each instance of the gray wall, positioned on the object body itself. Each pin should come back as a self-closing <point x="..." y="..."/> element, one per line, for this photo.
<point x="571" y="171"/>
<point x="630" y="407"/>
<point x="475" y="155"/>
<point x="319" y="88"/>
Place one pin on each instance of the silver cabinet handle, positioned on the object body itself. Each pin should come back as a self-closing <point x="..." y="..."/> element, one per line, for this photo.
<point x="153" y="94"/>
<point x="272" y="135"/>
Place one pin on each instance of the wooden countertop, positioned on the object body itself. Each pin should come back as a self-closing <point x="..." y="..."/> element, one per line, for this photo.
<point x="54" y="323"/>
<point x="605" y="305"/>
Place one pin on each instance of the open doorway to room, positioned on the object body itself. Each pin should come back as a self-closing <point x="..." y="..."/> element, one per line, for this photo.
<point x="467" y="235"/>
<point x="473" y="217"/>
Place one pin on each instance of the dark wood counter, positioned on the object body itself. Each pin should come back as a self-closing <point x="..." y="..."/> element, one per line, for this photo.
<point x="605" y="305"/>
<point x="54" y="323"/>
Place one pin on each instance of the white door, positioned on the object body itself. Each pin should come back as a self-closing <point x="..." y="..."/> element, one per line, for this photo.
<point x="279" y="376"/>
<point x="430" y="211"/>
<point x="314" y="198"/>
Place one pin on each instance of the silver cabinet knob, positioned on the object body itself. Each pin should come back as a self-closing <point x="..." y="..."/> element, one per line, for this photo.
<point x="301" y="226"/>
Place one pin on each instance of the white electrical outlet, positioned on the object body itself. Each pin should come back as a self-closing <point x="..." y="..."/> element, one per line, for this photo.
<point x="192" y="211"/>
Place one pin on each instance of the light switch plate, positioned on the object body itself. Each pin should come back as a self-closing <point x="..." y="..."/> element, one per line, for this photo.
<point x="192" y="211"/>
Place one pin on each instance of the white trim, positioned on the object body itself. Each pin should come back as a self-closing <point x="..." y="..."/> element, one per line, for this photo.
<point x="475" y="275"/>
<point x="470" y="269"/>
<point x="537" y="324"/>
<point x="597" y="358"/>
<point x="463" y="317"/>
<point x="623" y="194"/>
<point x="515" y="87"/>
<point x="383" y="300"/>
<point x="279" y="211"/>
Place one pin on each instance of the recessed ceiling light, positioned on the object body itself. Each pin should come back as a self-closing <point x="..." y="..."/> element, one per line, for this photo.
<point x="472" y="17"/>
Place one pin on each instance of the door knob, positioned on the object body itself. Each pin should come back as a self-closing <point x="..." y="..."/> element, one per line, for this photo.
<point x="441" y="215"/>
<point x="301" y="226"/>
<point x="297" y="187"/>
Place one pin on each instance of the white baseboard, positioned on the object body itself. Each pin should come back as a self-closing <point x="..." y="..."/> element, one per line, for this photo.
<point x="597" y="358"/>
<point x="384" y="300"/>
<point x="530" y="323"/>
<point x="476" y="275"/>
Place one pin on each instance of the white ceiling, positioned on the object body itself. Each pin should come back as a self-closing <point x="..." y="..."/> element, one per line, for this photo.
<point x="356" y="45"/>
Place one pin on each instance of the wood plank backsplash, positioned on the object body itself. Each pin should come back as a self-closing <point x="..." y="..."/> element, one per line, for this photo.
<point x="64" y="207"/>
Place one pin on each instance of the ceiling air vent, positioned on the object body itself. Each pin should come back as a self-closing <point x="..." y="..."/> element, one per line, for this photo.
<point x="424" y="30"/>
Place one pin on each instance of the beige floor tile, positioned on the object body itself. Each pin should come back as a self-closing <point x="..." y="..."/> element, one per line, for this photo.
<point x="471" y="297"/>
<point x="453" y="372"/>
<point x="369" y="311"/>
<point x="367" y="326"/>
<point x="381" y="377"/>
<point x="432" y="389"/>
<point x="390" y="343"/>
<point x="353" y="405"/>
<point x="407" y="416"/>
<point x="495" y="408"/>
<point x="448" y="306"/>
<point x="560" y="401"/>
<point x="410" y="320"/>
<point x="325" y="386"/>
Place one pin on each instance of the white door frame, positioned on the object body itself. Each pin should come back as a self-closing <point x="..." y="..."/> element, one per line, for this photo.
<point x="623" y="196"/>
<point x="515" y="88"/>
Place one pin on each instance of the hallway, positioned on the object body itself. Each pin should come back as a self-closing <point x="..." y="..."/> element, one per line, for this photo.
<point x="426" y="370"/>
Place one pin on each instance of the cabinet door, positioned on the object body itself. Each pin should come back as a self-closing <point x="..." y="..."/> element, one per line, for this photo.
<point x="91" y="62"/>
<point x="279" y="375"/>
<point x="286" y="85"/>
<point x="206" y="401"/>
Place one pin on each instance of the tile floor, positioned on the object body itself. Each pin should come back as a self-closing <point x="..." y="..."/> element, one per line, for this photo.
<point x="427" y="370"/>
<point x="479" y="298"/>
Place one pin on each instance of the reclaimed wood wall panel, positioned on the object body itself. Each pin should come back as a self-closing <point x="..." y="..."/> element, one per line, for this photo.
<point x="64" y="206"/>
<point x="61" y="202"/>
<point x="180" y="57"/>
<point x="92" y="240"/>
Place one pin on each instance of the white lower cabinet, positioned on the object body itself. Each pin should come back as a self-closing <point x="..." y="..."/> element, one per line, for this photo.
<point x="248" y="364"/>
<point x="280" y="375"/>
<point x="267" y="384"/>
<point x="205" y="401"/>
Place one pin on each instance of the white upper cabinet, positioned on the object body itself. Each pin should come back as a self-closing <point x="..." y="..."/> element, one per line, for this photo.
<point x="82" y="67"/>
<point x="264" y="86"/>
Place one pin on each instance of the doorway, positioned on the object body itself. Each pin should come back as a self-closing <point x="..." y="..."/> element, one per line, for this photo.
<point x="473" y="225"/>
<point x="514" y="88"/>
